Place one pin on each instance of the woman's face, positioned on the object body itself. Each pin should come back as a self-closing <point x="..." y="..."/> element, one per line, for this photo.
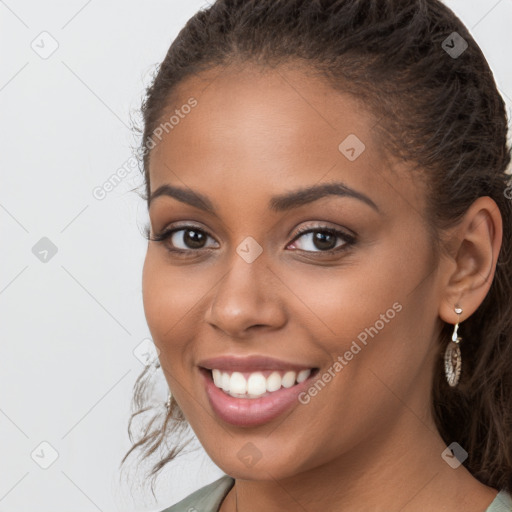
<point x="360" y="307"/>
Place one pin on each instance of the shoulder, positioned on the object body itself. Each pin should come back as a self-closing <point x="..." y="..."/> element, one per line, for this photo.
<point x="502" y="503"/>
<point x="206" y="499"/>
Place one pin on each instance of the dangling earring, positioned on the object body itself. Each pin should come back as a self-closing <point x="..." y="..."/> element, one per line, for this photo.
<point x="452" y="355"/>
<point x="156" y="364"/>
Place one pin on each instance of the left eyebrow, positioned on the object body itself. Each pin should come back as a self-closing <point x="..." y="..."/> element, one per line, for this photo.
<point x="280" y="203"/>
<point x="307" y="195"/>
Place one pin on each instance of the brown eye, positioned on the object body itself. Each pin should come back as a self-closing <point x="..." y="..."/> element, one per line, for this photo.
<point x="322" y="239"/>
<point x="191" y="238"/>
<point x="183" y="239"/>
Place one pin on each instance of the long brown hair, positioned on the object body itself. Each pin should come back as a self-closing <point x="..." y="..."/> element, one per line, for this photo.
<point x="441" y="112"/>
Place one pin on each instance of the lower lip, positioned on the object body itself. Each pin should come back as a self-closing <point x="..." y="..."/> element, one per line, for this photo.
<point x="250" y="412"/>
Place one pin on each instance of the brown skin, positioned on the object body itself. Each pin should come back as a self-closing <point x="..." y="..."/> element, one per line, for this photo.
<point x="367" y="441"/>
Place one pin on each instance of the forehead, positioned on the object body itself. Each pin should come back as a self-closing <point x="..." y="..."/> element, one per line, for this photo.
<point x="257" y="129"/>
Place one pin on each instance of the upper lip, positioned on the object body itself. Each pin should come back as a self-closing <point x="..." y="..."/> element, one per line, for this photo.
<point x="250" y="364"/>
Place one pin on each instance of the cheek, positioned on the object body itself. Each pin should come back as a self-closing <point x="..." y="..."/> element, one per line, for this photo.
<point x="169" y="310"/>
<point x="152" y="295"/>
<point x="165" y="299"/>
<point x="173" y="296"/>
<point x="341" y="303"/>
<point x="370" y="311"/>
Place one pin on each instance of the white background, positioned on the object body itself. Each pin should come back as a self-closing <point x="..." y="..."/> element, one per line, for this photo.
<point x="69" y="326"/>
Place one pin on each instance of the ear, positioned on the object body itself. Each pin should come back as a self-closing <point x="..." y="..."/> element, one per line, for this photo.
<point x="468" y="272"/>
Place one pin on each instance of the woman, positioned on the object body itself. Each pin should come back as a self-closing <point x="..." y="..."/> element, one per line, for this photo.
<point x="329" y="270"/>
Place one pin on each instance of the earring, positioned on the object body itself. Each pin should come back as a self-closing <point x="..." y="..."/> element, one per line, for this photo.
<point x="452" y="355"/>
<point x="168" y="403"/>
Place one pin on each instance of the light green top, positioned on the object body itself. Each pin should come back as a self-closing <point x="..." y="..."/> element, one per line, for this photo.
<point x="209" y="498"/>
<point x="206" y="499"/>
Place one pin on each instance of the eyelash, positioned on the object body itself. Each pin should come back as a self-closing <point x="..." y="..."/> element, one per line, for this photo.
<point x="349" y="240"/>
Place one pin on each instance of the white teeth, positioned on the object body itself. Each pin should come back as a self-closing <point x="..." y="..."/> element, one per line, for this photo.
<point x="256" y="384"/>
<point x="235" y="384"/>
<point x="289" y="379"/>
<point x="217" y="378"/>
<point x="273" y="382"/>
<point x="224" y="383"/>
<point x="303" y="375"/>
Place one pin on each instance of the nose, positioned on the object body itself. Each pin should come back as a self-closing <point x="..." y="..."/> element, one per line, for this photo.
<point x="247" y="298"/>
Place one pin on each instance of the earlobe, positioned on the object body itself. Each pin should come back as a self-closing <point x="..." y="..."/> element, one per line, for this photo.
<point x="476" y="244"/>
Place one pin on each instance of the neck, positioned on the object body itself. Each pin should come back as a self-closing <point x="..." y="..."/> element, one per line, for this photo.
<point x="400" y="468"/>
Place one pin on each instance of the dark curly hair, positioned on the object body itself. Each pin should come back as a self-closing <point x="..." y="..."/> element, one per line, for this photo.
<point x="440" y="112"/>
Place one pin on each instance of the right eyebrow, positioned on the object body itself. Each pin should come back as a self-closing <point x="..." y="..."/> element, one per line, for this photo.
<point x="184" y="195"/>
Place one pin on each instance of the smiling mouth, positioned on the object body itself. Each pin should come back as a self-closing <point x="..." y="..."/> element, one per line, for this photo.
<point x="257" y="384"/>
